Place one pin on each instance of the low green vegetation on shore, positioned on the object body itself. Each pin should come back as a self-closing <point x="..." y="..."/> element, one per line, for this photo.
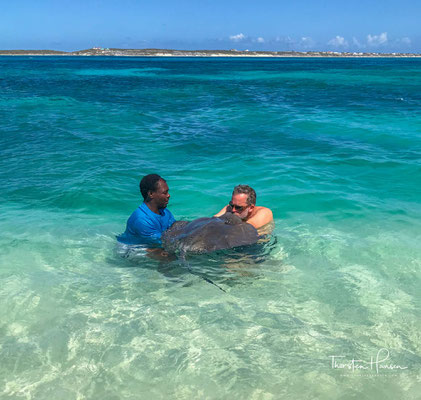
<point x="100" y="51"/>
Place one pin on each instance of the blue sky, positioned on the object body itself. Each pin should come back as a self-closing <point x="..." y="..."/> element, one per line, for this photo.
<point x="302" y="25"/>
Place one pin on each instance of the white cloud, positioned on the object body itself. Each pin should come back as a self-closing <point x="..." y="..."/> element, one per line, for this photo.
<point x="286" y="42"/>
<point x="338" y="41"/>
<point x="237" y="38"/>
<point x="306" y="42"/>
<point x="260" y="40"/>
<point x="285" y="39"/>
<point x="377" y="40"/>
<point x="406" y="40"/>
<point x="356" y="43"/>
<point x="289" y="40"/>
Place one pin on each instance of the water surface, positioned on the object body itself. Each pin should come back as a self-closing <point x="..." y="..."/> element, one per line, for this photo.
<point x="332" y="146"/>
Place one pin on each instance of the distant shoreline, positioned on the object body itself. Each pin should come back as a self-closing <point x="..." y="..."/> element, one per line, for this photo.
<point x="111" y="52"/>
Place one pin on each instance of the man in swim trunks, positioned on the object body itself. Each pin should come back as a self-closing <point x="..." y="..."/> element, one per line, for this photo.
<point x="151" y="218"/>
<point x="243" y="204"/>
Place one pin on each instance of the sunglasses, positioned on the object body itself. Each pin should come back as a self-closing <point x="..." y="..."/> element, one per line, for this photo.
<point x="240" y="209"/>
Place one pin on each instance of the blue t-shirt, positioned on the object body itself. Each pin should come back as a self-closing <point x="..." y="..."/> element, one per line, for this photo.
<point x="144" y="226"/>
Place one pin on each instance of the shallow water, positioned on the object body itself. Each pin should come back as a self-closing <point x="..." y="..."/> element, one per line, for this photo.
<point x="332" y="146"/>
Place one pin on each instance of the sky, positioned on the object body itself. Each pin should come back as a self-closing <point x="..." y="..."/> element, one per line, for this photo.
<point x="301" y="25"/>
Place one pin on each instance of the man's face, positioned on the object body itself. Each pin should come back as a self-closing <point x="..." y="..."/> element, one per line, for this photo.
<point x="161" y="195"/>
<point x="238" y="206"/>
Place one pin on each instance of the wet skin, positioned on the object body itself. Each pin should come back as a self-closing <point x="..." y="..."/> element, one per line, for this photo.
<point x="159" y="198"/>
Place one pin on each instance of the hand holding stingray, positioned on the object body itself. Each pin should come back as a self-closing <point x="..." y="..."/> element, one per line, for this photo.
<point x="205" y="235"/>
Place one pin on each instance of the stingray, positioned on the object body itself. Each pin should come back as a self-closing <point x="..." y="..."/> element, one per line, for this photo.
<point x="205" y="235"/>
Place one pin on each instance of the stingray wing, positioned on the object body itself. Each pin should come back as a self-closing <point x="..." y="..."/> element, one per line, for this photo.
<point x="205" y="235"/>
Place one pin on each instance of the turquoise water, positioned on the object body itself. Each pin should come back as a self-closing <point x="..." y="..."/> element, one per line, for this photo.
<point x="332" y="146"/>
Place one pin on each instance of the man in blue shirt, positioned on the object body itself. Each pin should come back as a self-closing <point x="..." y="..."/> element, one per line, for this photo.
<point x="151" y="218"/>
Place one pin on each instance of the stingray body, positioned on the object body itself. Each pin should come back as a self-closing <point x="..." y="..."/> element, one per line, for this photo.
<point x="205" y="235"/>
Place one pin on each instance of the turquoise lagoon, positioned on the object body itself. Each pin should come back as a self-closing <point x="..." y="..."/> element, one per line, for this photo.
<point x="332" y="146"/>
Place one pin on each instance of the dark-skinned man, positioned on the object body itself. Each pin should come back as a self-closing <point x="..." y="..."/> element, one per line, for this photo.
<point x="151" y="218"/>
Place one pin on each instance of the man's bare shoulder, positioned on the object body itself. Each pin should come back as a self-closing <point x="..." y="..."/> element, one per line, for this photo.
<point x="261" y="216"/>
<point x="263" y="209"/>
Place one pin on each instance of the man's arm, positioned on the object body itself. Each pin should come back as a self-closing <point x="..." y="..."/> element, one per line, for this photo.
<point x="222" y="212"/>
<point x="261" y="218"/>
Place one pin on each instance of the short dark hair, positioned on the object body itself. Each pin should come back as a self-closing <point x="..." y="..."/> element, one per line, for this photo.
<point x="246" y="189"/>
<point x="149" y="183"/>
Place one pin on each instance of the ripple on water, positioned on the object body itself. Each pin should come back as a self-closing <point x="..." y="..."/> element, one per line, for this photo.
<point x="339" y="167"/>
